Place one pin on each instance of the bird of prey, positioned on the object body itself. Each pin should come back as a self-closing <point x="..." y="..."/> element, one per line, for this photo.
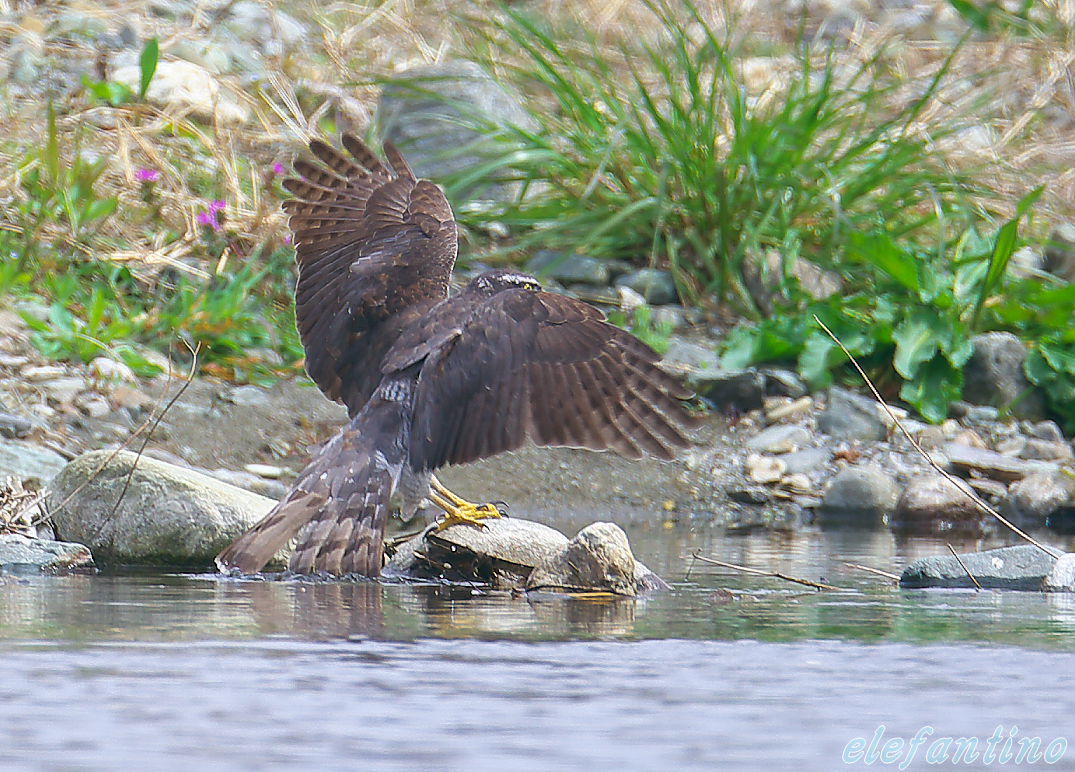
<point x="431" y="379"/>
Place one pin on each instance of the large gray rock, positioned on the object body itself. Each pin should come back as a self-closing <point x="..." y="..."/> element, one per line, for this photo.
<point x="861" y="495"/>
<point x="656" y="286"/>
<point x="28" y="461"/>
<point x="429" y="113"/>
<point x="849" y="416"/>
<point x="991" y="464"/>
<point x="169" y="515"/>
<point x="1060" y="253"/>
<point x="598" y="558"/>
<point x="568" y="268"/>
<point x="1023" y="567"/>
<point x="932" y="503"/>
<point x="994" y="376"/>
<point x="21" y="553"/>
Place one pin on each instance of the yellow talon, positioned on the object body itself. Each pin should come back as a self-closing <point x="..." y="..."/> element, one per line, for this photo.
<point x="459" y="511"/>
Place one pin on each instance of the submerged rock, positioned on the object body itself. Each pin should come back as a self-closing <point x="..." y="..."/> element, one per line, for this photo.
<point x="930" y="503"/>
<point x="859" y="495"/>
<point x="508" y="553"/>
<point x="23" y="553"/>
<point x="1023" y="567"/>
<point x="168" y="515"/>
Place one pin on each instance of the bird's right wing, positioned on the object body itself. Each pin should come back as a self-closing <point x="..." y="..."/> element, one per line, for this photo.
<point x="548" y="368"/>
<point x="371" y="241"/>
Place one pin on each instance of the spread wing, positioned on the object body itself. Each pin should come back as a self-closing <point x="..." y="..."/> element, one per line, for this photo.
<point x="371" y="242"/>
<point x="548" y="368"/>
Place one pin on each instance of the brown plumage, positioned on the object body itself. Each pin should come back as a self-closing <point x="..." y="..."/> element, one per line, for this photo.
<point x="428" y="379"/>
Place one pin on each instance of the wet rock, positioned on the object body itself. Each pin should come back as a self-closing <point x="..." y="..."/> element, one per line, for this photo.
<point x="1060" y="253"/>
<point x="14" y="426"/>
<point x="849" y="416"/>
<point x="1032" y="500"/>
<point x="568" y="268"/>
<point x="168" y="515"/>
<point x="425" y="111"/>
<point x="1062" y="576"/>
<point x="27" y="461"/>
<point x="994" y="376"/>
<point x="24" y="554"/>
<point x="992" y="464"/>
<point x="598" y="558"/>
<point x="1045" y="450"/>
<point x="656" y="286"/>
<point x="782" y="438"/>
<point x="1023" y="567"/>
<point x="861" y="495"/>
<point x="931" y="503"/>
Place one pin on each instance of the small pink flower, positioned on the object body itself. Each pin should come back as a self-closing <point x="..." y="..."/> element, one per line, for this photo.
<point x="287" y="239"/>
<point x="147" y="175"/>
<point x="217" y="206"/>
<point x="208" y="219"/>
<point x="278" y="168"/>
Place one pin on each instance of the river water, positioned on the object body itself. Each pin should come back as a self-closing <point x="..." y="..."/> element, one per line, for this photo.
<point x="167" y="671"/>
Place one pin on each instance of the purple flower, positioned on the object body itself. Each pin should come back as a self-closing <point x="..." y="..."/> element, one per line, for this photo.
<point x="217" y="206"/>
<point x="208" y="219"/>
<point x="287" y="239"/>
<point x="147" y="175"/>
<point x="278" y="168"/>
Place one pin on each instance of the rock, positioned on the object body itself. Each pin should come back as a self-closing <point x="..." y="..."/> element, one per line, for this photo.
<point x="13" y="426"/>
<point x="789" y="410"/>
<point x="268" y="471"/>
<point x="1060" y="253"/>
<point x="94" y="405"/>
<point x="109" y="371"/>
<point x="29" y="462"/>
<point x="806" y="460"/>
<point x="994" y="376"/>
<point x="753" y="495"/>
<point x="181" y="86"/>
<point x="1062" y="576"/>
<point x="1032" y="500"/>
<point x="568" y="268"/>
<point x="656" y="286"/>
<point x="784" y="383"/>
<point x="764" y="469"/>
<point x="39" y="373"/>
<point x="992" y="464"/>
<point x="782" y="438"/>
<point x="273" y="489"/>
<point x="271" y="31"/>
<point x="861" y="495"/>
<point x="426" y="111"/>
<point x="931" y="503"/>
<point x="970" y="438"/>
<point x="22" y="553"/>
<point x="598" y="558"/>
<point x="848" y="416"/>
<point x="64" y="390"/>
<point x="741" y="390"/>
<point x="682" y="356"/>
<point x="169" y="515"/>
<point x="1046" y="430"/>
<point x="1045" y="450"/>
<point x="248" y="395"/>
<point x="1023" y="567"/>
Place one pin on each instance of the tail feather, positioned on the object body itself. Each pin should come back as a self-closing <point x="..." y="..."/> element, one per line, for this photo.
<point x="337" y="509"/>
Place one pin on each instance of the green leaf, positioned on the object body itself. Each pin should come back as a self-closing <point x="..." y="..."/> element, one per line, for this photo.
<point x="148" y="64"/>
<point x="936" y="386"/>
<point x="1003" y="249"/>
<point x="879" y="250"/>
<point x="1060" y="358"/>
<point x="917" y="340"/>
<point x="816" y="359"/>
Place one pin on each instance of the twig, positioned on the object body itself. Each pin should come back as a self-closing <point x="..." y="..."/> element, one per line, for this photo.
<point x="145" y="440"/>
<point x="759" y="572"/>
<point x="872" y="570"/>
<point x="963" y="566"/>
<point x="690" y="567"/>
<point x="937" y="467"/>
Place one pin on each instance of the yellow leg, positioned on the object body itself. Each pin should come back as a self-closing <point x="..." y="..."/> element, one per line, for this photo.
<point x="459" y="511"/>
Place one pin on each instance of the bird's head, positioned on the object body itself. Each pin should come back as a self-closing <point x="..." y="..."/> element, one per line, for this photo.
<point x="492" y="282"/>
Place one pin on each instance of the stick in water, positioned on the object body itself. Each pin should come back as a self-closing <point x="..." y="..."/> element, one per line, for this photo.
<point x="759" y="572"/>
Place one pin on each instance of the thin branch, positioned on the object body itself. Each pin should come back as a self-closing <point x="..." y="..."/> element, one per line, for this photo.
<point x="759" y="572"/>
<point x="937" y="467"/>
<point x="872" y="570"/>
<point x="963" y="566"/>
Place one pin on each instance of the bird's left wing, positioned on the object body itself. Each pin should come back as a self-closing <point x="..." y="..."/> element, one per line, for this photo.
<point x="544" y="367"/>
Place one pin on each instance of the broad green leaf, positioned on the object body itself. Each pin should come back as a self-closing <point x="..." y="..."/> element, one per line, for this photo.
<point x="879" y="250"/>
<point x="817" y="358"/>
<point x="917" y="340"/>
<point x="936" y="386"/>
<point x="1059" y="358"/>
<point x="147" y="62"/>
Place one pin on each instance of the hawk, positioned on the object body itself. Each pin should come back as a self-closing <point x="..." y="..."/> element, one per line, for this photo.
<point x="431" y="379"/>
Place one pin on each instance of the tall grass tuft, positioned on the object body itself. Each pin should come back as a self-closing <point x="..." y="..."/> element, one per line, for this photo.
<point x="655" y="151"/>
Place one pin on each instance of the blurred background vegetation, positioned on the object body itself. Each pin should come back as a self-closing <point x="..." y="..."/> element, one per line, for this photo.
<point x="895" y="169"/>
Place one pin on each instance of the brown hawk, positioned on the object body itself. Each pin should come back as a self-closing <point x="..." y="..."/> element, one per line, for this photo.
<point x="431" y="379"/>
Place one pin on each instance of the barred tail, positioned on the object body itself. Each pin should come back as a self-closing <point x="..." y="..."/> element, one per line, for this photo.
<point x="338" y="507"/>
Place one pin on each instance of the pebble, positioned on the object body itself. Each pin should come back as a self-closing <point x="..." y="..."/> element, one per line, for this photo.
<point x="39" y="373"/>
<point x="110" y="371"/>
<point x="790" y="410"/>
<point x="782" y="438"/>
<point x="764" y="469"/>
<point x="267" y="471"/>
<point x="64" y="390"/>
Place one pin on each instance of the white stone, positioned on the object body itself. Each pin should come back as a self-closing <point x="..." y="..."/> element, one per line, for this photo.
<point x="187" y="86"/>
<point x="111" y="371"/>
<point x="764" y="469"/>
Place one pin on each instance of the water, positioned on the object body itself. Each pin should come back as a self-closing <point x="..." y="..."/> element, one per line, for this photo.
<point x="180" y="671"/>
